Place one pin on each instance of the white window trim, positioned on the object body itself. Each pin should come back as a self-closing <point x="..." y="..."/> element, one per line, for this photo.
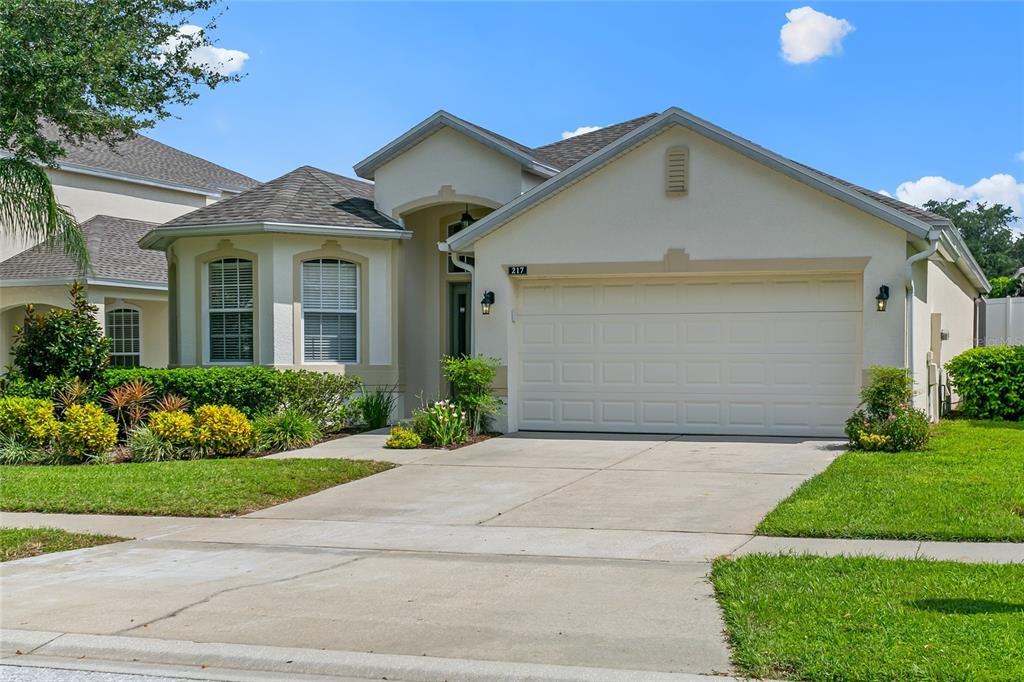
<point x="121" y="305"/>
<point x="206" y="313"/>
<point x="302" y="313"/>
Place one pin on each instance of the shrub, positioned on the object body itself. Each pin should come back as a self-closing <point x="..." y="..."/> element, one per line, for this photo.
<point x="28" y="420"/>
<point x="146" y="446"/>
<point x="471" y="380"/>
<point x="420" y="423"/>
<point x="887" y="420"/>
<point x="887" y="390"/>
<point x="376" y="407"/>
<point x="223" y="429"/>
<point x="289" y="430"/>
<point x="320" y="396"/>
<point x="129" y="402"/>
<point x="402" y="439"/>
<point x="63" y="342"/>
<point x="177" y="428"/>
<point x="990" y="382"/>
<point x="447" y="424"/>
<point x="252" y="390"/>
<point x="87" y="431"/>
<point x="15" y="452"/>
<point x="170" y="403"/>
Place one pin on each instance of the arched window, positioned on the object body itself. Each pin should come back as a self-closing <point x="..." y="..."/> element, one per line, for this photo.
<point x="229" y="310"/>
<point x="125" y="332"/>
<point x="330" y="311"/>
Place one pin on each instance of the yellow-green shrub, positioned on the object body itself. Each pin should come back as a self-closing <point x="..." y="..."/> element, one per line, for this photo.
<point x="174" y="427"/>
<point x="27" y="420"/>
<point x="402" y="439"/>
<point x="223" y="429"/>
<point x="87" y="431"/>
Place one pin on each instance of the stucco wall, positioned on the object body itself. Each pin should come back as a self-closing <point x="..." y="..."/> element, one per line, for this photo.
<point x="446" y="158"/>
<point x="276" y="296"/>
<point x="152" y="305"/>
<point x="735" y="209"/>
<point x="952" y="296"/>
<point x="88" y="196"/>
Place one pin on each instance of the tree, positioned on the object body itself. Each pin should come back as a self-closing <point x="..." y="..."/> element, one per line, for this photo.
<point x="80" y="70"/>
<point x="988" y="232"/>
<point x="62" y="343"/>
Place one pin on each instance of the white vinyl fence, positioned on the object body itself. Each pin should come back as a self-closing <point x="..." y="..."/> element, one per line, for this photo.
<point x="1002" y="323"/>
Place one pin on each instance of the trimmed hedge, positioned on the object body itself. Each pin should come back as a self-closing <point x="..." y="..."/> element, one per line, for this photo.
<point x="990" y="382"/>
<point x="252" y="390"/>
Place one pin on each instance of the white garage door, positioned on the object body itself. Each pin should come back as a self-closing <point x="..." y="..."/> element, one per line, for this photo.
<point x="769" y="356"/>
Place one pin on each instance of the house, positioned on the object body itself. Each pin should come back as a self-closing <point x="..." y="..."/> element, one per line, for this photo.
<point x="118" y="193"/>
<point x="659" y="275"/>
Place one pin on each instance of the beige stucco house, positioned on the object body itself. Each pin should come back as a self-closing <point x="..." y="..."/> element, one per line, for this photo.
<point x="118" y="193"/>
<point x="659" y="275"/>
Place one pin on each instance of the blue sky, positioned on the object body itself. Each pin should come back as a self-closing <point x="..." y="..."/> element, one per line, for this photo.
<point x="909" y="91"/>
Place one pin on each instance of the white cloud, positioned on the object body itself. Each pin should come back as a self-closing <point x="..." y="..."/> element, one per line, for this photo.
<point x="1000" y="188"/>
<point x="884" y="193"/>
<point x="809" y="35"/>
<point x="223" y="61"/>
<point x="1020" y="156"/>
<point x="582" y="130"/>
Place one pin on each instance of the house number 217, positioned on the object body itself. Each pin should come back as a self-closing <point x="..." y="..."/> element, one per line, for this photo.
<point x="517" y="270"/>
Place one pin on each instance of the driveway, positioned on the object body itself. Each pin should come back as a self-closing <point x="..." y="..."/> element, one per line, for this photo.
<point x="553" y="549"/>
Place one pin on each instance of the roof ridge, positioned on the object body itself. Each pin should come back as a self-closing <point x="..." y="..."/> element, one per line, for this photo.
<point x="595" y="132"/>
<point x="283" y="197"/>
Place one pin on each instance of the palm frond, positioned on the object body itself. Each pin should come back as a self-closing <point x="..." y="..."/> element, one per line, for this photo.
<point x="29" y="209"/>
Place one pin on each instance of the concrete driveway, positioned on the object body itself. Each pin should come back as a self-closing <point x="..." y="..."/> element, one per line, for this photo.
<point x="553" y="549"/>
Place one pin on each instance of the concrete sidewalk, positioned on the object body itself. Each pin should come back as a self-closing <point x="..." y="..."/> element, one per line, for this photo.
<point x="503" y="540"/>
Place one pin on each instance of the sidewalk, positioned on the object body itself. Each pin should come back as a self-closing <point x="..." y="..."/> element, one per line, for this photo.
<point x="505" y="540"/>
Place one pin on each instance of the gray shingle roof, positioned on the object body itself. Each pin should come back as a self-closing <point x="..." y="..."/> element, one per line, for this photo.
<point x="113" y="249"/>
<point x="565" y="153"/>
<point x="145" y="157"/>
<point x="305" y="196"/>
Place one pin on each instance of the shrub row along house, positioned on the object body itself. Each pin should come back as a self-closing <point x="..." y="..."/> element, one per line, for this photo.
<point x="658" y="275"/>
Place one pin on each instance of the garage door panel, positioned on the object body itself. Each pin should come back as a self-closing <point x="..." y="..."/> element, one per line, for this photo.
<point x="762" y="356"/>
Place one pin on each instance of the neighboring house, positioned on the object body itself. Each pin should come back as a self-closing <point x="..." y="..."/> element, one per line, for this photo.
<point x="118" y="193"/>
<point x="659" y="275"/>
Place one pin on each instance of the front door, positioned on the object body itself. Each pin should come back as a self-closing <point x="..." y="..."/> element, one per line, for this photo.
<point x="459" y="319"/>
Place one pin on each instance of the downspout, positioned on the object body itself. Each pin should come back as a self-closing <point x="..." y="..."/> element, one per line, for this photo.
<point x="456" y="258"/>
<point x="908" y="274"/>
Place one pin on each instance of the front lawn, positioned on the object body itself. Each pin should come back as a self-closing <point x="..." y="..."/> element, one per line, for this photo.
<point x="21" y="543"/>
<point x="211" y="487"/>
<point x="867" y="619"/>
<point x="967" y="485"/>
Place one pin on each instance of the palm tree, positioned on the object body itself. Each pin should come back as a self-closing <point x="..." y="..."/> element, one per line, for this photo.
<point x="29" y="208"/>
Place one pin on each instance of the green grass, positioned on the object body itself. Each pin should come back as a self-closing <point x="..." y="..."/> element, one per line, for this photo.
<point x="21" y="543"/>
<point x="967" y="485"/>
<point x="211" y="487"/>
<point x="867" y="619"/>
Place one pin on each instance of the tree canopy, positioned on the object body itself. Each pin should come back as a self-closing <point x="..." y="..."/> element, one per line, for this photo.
<point x="988" y="232"/>
<point x="80" y="70"/>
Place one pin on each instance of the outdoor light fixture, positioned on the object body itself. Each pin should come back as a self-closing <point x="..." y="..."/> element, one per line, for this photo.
<point x="882" y="298"/>
<point x="467" y="219"/>
<point x="487" y="302"/>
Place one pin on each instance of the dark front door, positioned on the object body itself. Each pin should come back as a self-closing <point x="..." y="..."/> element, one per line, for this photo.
<point x="459" y="318"/>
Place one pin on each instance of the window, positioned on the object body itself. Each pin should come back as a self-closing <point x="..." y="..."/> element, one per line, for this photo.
<point x="330" y="310"/>
<point x="454" y="269"/>
<point x="677" y="171"/>
<point x="230" y="310"/>
<point x="125" y="337"/>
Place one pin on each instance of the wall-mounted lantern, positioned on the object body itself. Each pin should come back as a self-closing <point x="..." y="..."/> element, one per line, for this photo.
<point x="882" y="298"/>
<point x="487" y="302"/>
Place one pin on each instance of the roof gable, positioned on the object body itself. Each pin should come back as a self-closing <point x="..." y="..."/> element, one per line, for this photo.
<point x="915" y="221"/>
<point x="503" y="145"/>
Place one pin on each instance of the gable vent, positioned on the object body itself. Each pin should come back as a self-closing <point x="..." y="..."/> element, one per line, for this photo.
<point x="677" y="171"/>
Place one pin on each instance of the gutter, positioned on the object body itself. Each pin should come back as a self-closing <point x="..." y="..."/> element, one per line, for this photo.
<point x="457" y="259"/>
<point x="159" y="238"/>
<point x="908" y="275"/>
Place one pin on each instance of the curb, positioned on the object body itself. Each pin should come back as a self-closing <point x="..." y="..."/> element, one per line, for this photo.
<point x="270" y="659"/>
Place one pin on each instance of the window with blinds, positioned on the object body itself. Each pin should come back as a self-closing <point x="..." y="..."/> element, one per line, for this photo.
<point x="125" y="337"/>
<point x="330" y="311"/>
<point x="230" y="306"/>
